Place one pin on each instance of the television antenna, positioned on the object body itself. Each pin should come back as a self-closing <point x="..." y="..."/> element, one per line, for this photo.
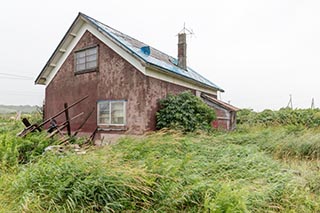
<point x="186" y="31"/>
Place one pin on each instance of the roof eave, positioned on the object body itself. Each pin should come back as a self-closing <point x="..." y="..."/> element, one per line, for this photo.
<point x="41" y="79"/>
<point x="220" y="103"/>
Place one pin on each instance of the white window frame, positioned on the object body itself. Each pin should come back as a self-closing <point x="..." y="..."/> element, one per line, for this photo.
<point x="86" y="59"/>
<point x="110" y="112"/>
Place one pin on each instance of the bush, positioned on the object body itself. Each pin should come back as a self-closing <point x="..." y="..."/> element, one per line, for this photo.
<point x="285" y="116"/>
<point x="184" y="111"/>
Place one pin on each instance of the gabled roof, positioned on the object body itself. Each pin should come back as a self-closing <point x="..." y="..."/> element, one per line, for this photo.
<point x="220" y="103"/>
<point x="146" y="54"/>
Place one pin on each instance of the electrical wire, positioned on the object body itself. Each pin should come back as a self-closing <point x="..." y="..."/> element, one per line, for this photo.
<point x="14" y="76"/>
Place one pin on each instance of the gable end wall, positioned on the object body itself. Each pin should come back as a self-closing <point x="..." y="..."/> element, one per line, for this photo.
<point x="115" y="79"/>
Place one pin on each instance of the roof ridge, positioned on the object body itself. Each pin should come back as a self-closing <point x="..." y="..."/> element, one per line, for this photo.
<point x="157" y="57"/>
<point x="130" y="37"/>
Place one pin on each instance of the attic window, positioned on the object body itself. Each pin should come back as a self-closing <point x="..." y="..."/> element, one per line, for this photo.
<point x="86" y="59"/>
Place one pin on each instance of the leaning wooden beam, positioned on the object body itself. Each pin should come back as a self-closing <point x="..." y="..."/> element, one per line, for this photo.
<point x="27" y="124"/>
<point x="63" y="125"/>
<point x="59" y="113"/>
<point x="92" y="136"/>
<point x="66" y="112"/>
<point x="29" y="129"/>
<point x="32" y="127"/>
<point x="85" y="120"/>
<point x="57" y="130"/>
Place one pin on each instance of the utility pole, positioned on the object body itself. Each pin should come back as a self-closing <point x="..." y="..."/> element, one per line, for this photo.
<point x="290" y="103"/>
<point x="312" y="103"/>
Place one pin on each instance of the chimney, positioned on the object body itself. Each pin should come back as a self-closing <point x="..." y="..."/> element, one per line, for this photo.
<point x="182" y="51"/>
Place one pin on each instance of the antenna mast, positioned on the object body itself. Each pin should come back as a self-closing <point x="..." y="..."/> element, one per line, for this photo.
<point x="186" y="31"/>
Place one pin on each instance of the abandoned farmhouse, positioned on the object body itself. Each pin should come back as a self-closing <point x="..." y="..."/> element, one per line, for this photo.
<point x="123" y="78"/>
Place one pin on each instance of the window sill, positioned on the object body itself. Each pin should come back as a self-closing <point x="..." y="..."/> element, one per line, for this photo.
<point x="86" y="71"/>
<point x="112" y="128"/>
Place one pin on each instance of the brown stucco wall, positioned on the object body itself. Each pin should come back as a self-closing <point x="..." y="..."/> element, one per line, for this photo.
<point x="115" y="79"/>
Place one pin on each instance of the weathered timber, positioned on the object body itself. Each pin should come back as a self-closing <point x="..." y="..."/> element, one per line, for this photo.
<point x="57" y="130"/>
<point x="63" y="125"/>
<point x="33" y="127"/>
<point x="27" y="124"/>
<point x="28" y="129"/>
<point x="92" y="136"/>
<point x="83" y="123"/>
<point x="59" y="113"/>
<point x="66" y="112"/>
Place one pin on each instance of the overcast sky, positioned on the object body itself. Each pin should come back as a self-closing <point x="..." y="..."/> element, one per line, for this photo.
<point x="258" y="51"/>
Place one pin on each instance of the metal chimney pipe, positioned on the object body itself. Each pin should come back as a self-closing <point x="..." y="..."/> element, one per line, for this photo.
<point x="182" y="51"/>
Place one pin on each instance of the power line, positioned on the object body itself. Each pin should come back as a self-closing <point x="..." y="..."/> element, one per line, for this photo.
<point x="24" y="79"/>
<point x="14" y="76"/>
<point x="22" y="92"/>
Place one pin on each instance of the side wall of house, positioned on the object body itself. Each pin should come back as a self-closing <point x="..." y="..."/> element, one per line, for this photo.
<point x="115" y="79"/>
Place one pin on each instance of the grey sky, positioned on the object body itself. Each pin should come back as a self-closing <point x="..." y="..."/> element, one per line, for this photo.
<point x="258" y="51"/>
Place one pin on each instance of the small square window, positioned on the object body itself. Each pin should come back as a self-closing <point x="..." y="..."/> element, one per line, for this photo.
<point x="86" y="59"/>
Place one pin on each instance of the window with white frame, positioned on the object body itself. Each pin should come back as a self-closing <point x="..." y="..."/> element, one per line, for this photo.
<point x="112" y="113"/>
<point x="86" y="59"/>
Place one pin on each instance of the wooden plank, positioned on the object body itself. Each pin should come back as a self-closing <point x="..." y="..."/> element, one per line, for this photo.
<point x="26" y="122"/>
<point x="85" y="120"/>
<point x="59" y="113"/>
<point x="57" y="130"/>
<point x="34" y="127"/>
<point x="63" y="125"/>
<point x="67" y="118"/>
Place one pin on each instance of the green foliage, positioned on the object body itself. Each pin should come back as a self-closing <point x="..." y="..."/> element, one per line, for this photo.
<point x="8" y="152"/>
<point x="184" y="111"/>
<point x="282" y="142"/>
<point x="4" y="109"/>
<point x="253" y="169"/>
<point x="15" y="150"/>
<point x="285" y="116"/>
<point x="226" y="199"/>
<point x="87" y="184"/>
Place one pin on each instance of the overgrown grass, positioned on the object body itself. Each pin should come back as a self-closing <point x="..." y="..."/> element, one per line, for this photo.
<point x="164" y="172"/>
<point x="15" y="150"/>
<point x="89" y="184"/>
<point x="282" y="142"/>
<point x="254" y="169"/>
